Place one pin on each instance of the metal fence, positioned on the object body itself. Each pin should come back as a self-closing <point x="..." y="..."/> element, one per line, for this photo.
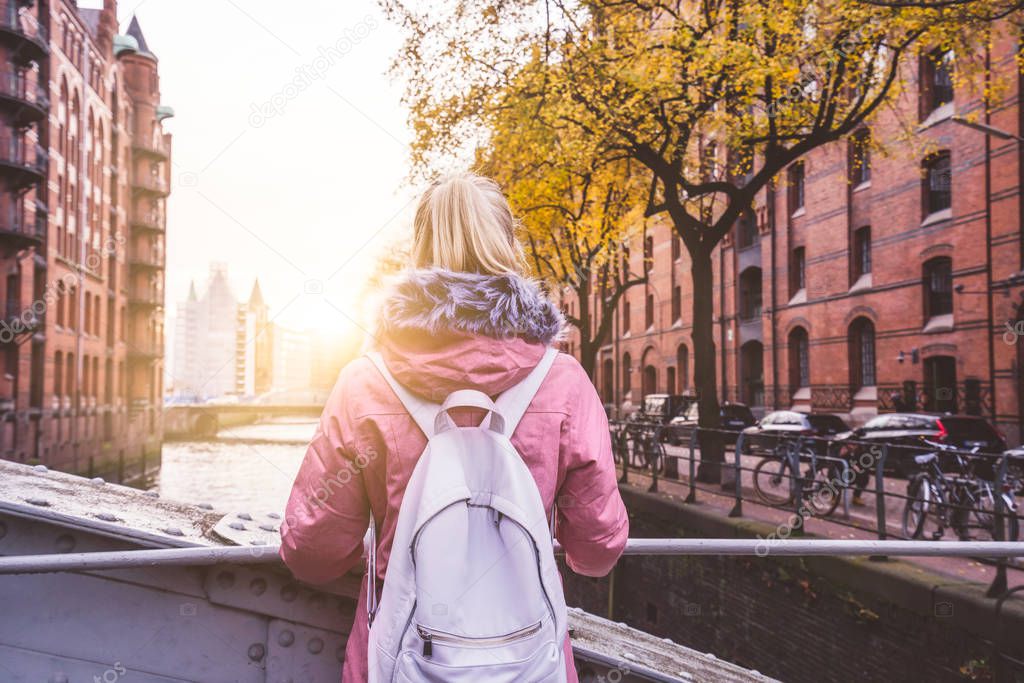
<point x="939" y="492"/>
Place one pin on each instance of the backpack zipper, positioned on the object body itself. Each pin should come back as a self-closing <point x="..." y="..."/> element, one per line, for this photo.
<point x="430" y="636"/>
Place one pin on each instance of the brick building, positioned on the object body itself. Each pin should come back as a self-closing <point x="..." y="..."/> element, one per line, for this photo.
<point x="84" y="173"/>
<point x="860" y="283"/>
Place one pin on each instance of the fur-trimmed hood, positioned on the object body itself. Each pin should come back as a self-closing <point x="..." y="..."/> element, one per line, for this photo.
<point x="440" y="331"/>
<point x="434" y="301"/>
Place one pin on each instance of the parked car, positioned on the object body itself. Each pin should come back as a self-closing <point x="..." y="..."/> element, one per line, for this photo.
<point x="906" y="434"/>
<point x="661" y="408"/>
<point x="783" y="425"/>
<point x="735" y="417"/>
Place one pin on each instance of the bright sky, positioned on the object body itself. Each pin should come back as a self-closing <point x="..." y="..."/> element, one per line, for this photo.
<point x="303" y="196"/>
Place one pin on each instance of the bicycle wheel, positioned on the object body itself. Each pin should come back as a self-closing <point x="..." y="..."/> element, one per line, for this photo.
<point x="917" y="506"/>
<point x="772" y="481"/>
<point x="654" y="453"/>
<point x="824" y="492"/>
<point x="985" y="515"/>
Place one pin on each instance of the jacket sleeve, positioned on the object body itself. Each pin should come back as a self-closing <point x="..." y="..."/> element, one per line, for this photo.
<point x="592" y="520"/>
<point x="328" y="511"/>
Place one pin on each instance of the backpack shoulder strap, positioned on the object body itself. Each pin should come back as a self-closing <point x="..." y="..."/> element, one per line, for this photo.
<point x="422" y="411"/>
<point x="512" y="404"/>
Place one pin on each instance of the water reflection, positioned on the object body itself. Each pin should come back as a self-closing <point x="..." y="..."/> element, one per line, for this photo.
<point x="250" y="467"/>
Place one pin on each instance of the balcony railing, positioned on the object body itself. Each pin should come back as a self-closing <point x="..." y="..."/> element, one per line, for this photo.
<point x="149" y="221"/>
<point x="25" y="25"/>
<point x="148" y="296"/>
<point x="147" y="183"/>
<point x="27" y="229"/>
<point x="152" y="261"/>
<point x="157" y="149"/>
<point x="31" y="159"/>
<point x="145" y="349"/>
<point x="16" y="86"/>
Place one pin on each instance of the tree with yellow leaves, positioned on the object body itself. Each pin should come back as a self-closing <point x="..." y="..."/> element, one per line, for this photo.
<point x="707" y="100"/>
<point x="577" y="209"/>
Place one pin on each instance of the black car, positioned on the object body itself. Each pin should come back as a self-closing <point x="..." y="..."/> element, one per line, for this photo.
<point x="735" y="417"/>
<point x="786" y="425"/>
<point x="907" y="434"/>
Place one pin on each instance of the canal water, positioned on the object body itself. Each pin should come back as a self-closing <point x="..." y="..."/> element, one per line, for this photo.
<point x="250" y="467"/>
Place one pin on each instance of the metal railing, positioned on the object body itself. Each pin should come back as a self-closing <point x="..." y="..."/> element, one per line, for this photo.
<point x="12" y="18"/>
<point x="268" y="554"/>
<point x="14" y="150"/>
<point x="816" y="478"/>
<point x="16" y="85"/>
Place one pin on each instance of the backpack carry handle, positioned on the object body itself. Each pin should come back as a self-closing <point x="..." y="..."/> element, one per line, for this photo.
<point x="469" y="398"/>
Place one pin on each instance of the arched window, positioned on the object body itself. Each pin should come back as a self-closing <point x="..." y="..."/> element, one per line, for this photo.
<point x="683" y="363"/>
<point x="650" y="380"/>
<point x="937" y="279"/>
<point x="627" y="367"/>
<point x="862" y="353"/>
<point x="799" y="359"/>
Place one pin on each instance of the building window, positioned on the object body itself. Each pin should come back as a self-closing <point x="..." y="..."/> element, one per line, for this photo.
<point x="936" y="81"/>
<point x="649" y="311"/>
<point x="795" y="186"/>
<point x="862" y="353"/>
<point x="797" y="271"/>
<point x="860" y="157"/>
<point x="799" y="359"/>
<point x="683" y="363"/>
<point x="58" y="374"/>
<point x="937" y="188"/>
<point x="677" y="248"/>
<point x="648" y="253"/>
<point x="750" y="294"/>
<point x="746" y="229"/>
<point x="861" y="252"/>
<point x="627" y="368"/>
<point x="677" y="303"/>
<point x="938" y="287"/>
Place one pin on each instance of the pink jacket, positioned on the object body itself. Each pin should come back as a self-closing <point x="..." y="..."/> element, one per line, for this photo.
<point x="441" y="332"/>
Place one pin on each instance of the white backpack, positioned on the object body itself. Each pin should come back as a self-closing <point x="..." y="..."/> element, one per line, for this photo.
<point x="472" y="591"/>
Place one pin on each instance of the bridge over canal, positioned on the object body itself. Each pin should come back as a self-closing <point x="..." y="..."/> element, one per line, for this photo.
<point x="204" y="420"/>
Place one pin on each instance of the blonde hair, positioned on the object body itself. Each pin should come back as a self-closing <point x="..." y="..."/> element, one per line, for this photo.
<point x="463" y="223"/>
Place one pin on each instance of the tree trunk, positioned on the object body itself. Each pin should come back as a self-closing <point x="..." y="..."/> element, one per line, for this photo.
<point x="712" y="452"/>
<point x="588" y="358"/>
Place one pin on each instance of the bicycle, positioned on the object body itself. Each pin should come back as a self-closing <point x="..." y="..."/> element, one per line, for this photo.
<point x="937" y="501"/>
<point x="775" y="479"/>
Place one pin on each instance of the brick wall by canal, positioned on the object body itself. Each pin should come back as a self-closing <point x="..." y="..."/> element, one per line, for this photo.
<point x="802" y="619"/>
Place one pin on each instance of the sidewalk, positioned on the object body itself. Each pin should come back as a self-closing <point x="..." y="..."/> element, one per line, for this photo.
<point x="861" y="523"/>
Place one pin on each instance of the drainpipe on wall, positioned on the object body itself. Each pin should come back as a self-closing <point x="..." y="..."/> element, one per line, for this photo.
<point x="988" y="235"/>
<point x="775" y="303"/>
<point x="82" y="216"/>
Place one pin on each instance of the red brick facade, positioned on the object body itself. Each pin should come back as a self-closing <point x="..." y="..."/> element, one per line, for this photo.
<point x="82" y="387"/>
<point x="890" y="284"/>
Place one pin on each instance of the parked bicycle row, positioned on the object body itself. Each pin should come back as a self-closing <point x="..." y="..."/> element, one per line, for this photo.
<point x="813" y="461"/>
